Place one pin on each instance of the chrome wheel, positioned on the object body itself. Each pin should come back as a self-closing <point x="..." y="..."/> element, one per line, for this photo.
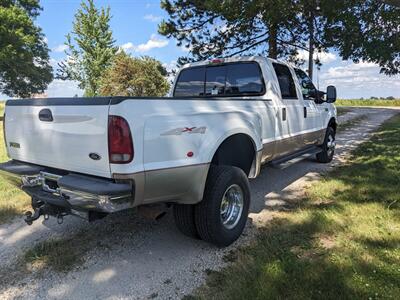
<point x="231" y="206"/>
<point x="331" y="144"/>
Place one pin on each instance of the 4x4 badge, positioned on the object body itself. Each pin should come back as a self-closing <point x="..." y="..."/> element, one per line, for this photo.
<point x="188" y="130"/>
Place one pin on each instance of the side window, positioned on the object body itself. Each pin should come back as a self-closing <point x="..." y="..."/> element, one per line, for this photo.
<point x="244" y="78"/>
<point x="190" y="82"/>
<point x="285" y="79"/>
<point x="215" y="80"/>
<point x="307" y="87"/>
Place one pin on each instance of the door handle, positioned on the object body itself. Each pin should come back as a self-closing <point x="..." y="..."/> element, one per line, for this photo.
<point x="45" y="115"/>
<point x="284" y="114"/>
<point x="305" y="112"/>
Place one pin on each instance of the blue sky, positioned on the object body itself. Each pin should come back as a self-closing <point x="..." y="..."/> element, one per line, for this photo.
<point x="134" y="25"/>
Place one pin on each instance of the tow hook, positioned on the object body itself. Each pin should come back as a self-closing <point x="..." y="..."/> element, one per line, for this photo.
<point x="29" y="217"/>
<point x="45" y="210"/>
<point x="60" y="219"/>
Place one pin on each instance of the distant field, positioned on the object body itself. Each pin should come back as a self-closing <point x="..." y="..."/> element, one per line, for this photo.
<point x="367" y="102"/>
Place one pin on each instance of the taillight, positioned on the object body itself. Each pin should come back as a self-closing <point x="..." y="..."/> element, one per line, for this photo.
<point x="4" y="133"/>
<point x="120" y="145"/>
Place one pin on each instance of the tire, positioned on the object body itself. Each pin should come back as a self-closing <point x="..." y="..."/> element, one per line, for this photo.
<point x="328" y="147"/>
<point x="214" y="221"/>
<point x="184" y="219"/>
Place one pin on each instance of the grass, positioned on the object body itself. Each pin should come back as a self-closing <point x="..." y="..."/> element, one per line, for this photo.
<point x="2" y="103"/>
<point x="13" y="201"/>
<point x="59" y="254"/>
<point x="342" y="110"/>
<point x="351" y="123"/>
<point x="367" y="102"/>
<point x="342" y="241"/>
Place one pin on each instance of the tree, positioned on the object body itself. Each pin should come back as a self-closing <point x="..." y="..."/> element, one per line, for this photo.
<point x="365" y="30"/>
<point x="24" y="55"/>
<point x="91" y="48"/>
<point x="131" y="76"/>
<point x="226" y="28"/>
<point x="358" y="30"/>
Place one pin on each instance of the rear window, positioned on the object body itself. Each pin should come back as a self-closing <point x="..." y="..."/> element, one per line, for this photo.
<point x="191" y="82"/>
<point x="234" y="79"/>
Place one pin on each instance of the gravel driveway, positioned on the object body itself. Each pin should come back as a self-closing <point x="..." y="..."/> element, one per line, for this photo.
<point x="135" y="258"/>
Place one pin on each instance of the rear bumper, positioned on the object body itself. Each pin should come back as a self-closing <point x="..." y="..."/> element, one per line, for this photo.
<point x="73" y="191"/>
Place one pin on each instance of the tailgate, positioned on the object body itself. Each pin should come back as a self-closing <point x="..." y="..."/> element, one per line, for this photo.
<point x="69" y="134"/>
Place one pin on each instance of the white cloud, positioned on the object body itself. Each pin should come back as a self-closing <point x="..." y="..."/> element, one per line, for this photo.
<point x="186" y="49"/>
<point x="152" y="18"/>
<point x="152" y="43"/>
<point x="360" y="80"/>
<point x="127" y="46"/>
<point x="171" y="66"/>
<point x="324" y="57"/>
<point x="60" y="48"/>
<point x="61" y="88"/>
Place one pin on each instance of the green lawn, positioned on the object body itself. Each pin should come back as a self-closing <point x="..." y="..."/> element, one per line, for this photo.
<point x="2" y="109"/>
<point x="12" y="201"/>
<point x="342" y="241"/>
<point x="367" y="102"/>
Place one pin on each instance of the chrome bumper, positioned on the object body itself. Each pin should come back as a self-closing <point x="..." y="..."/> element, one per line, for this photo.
<point x="78" y="192"/>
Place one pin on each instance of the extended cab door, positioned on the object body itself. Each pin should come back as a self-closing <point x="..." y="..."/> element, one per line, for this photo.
<point x="314" y="112"/>
<point x="293" y="115"/>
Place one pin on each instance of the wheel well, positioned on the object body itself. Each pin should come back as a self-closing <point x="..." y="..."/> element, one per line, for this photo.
<point x="237" y="150"/>
<point x="332" y="123"/>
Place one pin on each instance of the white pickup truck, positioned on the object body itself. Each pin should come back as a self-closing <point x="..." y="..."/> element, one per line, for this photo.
<point x="195" y="149"/>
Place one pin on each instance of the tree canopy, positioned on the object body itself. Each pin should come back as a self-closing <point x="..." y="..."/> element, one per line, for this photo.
<point x="24" y="55"/>
<point x="91" y="48"/>
<point x="132" y="76"/>
<point x="358" y="30"/>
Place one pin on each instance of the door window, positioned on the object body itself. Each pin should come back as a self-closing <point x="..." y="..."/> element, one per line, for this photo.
<point x="286" y="83"/>
<point x="307" y="87"/>
<point x="244" y="78"/>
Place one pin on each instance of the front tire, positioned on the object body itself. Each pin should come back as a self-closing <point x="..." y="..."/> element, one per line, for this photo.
<point x="328" y="147"/>
<point x="221" y="216"/>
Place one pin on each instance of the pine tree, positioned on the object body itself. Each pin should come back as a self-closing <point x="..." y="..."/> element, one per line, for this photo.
<point x="91" y="48"/>
<point x="358" y="30"/>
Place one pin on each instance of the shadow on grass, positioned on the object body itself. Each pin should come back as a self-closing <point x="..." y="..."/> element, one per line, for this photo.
<point x="341" y="242"/>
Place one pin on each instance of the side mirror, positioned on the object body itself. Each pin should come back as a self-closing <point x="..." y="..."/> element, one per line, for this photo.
<point x="330" y="94"/>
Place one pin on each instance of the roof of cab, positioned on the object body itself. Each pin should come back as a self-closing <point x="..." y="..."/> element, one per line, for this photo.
<point x="257" y="58"/>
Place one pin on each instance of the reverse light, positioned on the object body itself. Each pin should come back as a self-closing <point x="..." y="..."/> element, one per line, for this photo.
<point x="120" y="144"/>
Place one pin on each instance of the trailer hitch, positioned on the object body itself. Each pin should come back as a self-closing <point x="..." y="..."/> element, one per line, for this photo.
<point x="44" y="209"/>
<point x="29" y="217"/>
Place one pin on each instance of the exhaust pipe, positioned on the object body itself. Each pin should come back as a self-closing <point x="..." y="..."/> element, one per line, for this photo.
<point x="152" y="212"/>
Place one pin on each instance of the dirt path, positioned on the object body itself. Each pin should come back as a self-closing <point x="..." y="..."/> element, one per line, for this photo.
<point x="131" y="257"/>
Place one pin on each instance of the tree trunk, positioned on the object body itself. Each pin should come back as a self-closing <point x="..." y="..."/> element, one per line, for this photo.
<point x="273" y="42"/>
<point x="311" y="46"/>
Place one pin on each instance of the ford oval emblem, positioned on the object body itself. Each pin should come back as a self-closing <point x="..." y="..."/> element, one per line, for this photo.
<point x="95" y="156"/>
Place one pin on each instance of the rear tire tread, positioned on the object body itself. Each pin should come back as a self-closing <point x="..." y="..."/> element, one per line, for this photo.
<point x="207" y="214"/>
<point x="184" y="219"/>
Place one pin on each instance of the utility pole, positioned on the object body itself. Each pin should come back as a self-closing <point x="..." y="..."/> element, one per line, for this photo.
<point x="311" y="44"/>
